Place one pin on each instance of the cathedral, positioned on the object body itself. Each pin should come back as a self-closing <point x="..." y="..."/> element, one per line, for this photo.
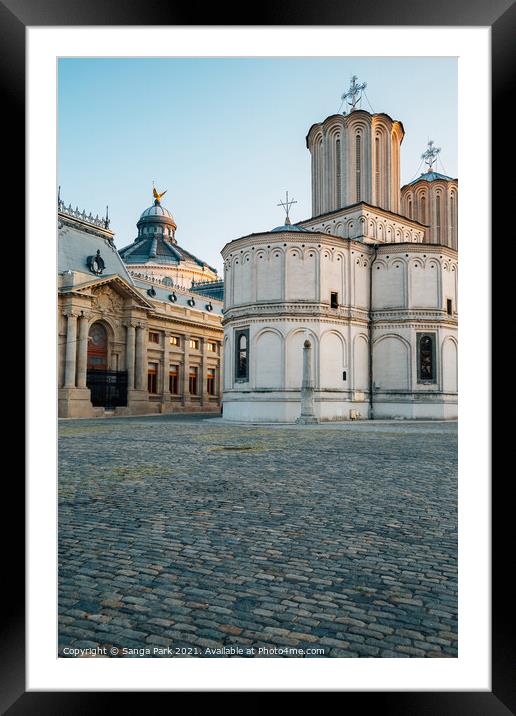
<point x="352" y="312"/>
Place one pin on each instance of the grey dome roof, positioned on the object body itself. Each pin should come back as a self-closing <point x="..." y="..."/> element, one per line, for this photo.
<point x="156" y="211"/>
<point x="430" y="176"/>
<point x="290" y="227"/>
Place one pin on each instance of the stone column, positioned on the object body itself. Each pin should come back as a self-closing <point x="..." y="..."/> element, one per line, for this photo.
<point x="166" y="366"/>
<point x="307" y="388"/>
<point x="186" y="369"/>
<point x="71" y="349"/>
<point x="140" y="358"/>
<point x="82" y="357"/>
<point x="129" y="355"/>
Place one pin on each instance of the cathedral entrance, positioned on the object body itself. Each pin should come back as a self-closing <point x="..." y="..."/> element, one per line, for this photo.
<point x="108" y="387"/>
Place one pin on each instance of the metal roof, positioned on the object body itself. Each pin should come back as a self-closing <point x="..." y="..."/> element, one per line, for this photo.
<point x="163" y="293"/>
<point x="158" y="250"/>
<point x="75" y="245"/>
<point x="430" y="176"/>
<point x="289" y="227"/>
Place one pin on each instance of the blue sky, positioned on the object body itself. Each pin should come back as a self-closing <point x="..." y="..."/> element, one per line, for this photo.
<point x="226" y="137"/>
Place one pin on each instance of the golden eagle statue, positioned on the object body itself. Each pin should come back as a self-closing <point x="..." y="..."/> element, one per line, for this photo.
<point x="157" y="195"/>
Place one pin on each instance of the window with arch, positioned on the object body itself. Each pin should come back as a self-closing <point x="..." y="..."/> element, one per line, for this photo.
<point x="438" y="218"/>
<point x="242" y="354"/>
<point x="453" y="216"/>
<point x="409" y="208"/>
<point x="377" y="168"/>
<point x="338" y="170"/>
<point x="426" y="372"/>
<point x="423" y="209"/>
<point x="358" y="151"/>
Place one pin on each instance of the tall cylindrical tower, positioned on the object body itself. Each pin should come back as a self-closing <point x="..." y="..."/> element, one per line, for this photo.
<point x="355" y="157"/>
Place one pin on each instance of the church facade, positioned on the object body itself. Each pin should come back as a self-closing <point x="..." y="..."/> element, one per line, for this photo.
<point x="129" y="344"/>
<point x="367" y="285"/>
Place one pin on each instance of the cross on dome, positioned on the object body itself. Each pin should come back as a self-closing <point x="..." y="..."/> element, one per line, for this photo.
<point x="430" y="154"/>
<point x="354" y="93"/>
<point x="286" y="205"/>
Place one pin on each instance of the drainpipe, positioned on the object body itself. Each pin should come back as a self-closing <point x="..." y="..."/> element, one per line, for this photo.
<point x="370" y="332"/>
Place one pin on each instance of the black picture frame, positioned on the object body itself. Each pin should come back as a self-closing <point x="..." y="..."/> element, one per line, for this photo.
<point x="499" y="15"/>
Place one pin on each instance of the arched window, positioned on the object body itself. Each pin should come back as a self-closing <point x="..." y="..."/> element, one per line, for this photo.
<point x="438" y="218"/>
<point x="358" y="150"/>
<point x="377" y="170"/>
<point x="453" y="220"/>
<point x="409" y="209"/>
<point x="423" y="209"/>
<point x="242" y="355"/>
<point x="338" y="172"/>
<point x="426" y="357"/>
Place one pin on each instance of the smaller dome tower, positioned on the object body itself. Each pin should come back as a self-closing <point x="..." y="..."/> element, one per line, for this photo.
<point x="432" y="199"/>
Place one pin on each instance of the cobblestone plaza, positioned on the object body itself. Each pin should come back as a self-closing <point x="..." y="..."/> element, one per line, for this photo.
<point x="185" y="536"/>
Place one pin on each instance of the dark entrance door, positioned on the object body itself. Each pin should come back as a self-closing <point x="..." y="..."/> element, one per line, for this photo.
<point x="97" y="347"/>
<point x="108" y="388"/>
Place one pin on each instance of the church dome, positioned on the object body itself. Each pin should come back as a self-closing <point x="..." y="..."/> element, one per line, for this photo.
<point x="431" y="176"/>
<point x="289" y="227"/>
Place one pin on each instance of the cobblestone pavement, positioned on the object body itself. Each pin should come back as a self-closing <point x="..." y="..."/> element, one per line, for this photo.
<point x="191" y="537"/>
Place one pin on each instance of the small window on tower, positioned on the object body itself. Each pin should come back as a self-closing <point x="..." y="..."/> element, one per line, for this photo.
<point x="449" y="306"/>
<point x="334" y="299"/>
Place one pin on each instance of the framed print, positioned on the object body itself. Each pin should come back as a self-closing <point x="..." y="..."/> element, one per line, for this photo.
<point x="253" y="389"/>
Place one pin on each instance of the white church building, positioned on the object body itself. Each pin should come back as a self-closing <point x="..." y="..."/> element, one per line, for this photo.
<point x="352" y="312"/>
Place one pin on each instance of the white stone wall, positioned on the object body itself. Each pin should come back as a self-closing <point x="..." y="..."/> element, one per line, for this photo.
<point x="279" y="287"/>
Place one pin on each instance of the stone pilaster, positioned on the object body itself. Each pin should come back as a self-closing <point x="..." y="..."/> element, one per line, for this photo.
<point x="129" y="354"/>
<point x="140" y="360"/>
<point x="186" y="370"/>
<point x="203" y="378"/>
<point x="166" y="367"/>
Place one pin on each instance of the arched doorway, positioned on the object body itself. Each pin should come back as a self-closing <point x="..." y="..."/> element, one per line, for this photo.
<point x="97" y="347"/>
<point x="108" y="388"/>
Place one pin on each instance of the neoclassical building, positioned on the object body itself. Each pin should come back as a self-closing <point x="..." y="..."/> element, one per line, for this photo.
<point x="155" y="251"/>
<point x="129" y="345"/>
<point x="367" y="285"/>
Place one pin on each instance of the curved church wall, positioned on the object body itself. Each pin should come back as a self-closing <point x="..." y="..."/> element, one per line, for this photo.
<point x="290" y="277"/>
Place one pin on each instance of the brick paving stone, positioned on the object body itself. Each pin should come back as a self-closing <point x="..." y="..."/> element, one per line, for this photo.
<point x="342" y="537"/>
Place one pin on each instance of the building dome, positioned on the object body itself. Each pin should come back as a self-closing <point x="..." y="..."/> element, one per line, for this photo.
<point x="157" y="219"/>
<point x="155" y="251"/>
<point x="289" y="227"/>
<point x="431" y="176"/>
<point x="156" y="210"/>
